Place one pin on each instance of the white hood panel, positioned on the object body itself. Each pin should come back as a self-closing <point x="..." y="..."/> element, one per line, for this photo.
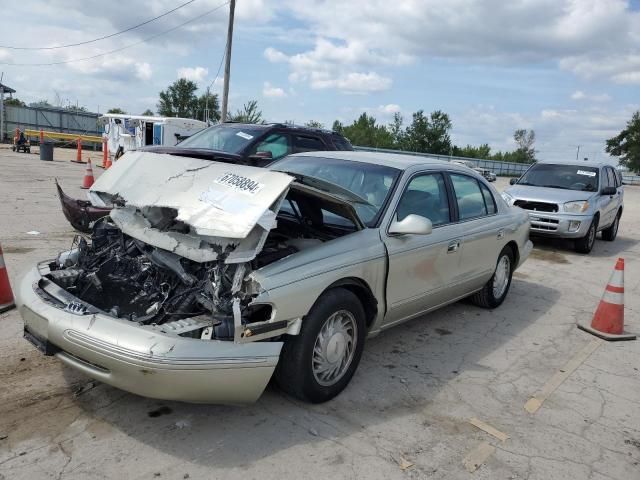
<point x="214" y="199"/>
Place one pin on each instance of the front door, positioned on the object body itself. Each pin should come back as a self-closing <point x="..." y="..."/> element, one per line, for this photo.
<point x="422" y="267"/>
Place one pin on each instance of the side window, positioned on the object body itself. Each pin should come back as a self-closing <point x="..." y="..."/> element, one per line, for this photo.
<point x="489" y="201"/>
<point x="612" y="177"/>
<point x="426" y="195"/>
<point x="277" y="144"/>
<point x="470" y="199"/>
<point x="307" y="144"/>
<point x="606" y="179"/>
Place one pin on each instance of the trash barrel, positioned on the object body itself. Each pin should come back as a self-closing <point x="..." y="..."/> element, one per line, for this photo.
<point x="46" y="151"/>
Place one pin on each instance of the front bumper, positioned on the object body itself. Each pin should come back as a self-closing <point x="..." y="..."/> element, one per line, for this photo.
<point x="143" y="360"/>
<point x="558" y="224"/>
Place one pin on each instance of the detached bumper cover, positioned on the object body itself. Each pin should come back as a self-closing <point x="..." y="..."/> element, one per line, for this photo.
<point x="142" y="360"/>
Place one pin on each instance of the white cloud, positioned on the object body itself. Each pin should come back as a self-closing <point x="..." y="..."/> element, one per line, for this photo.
<point x="195" y="74"/>
<point x="587" y="37"/>
<point x="143" y="71"/>
<point x="389" y="109"/>
<point x="274" y="55"/>
<point x="580" y="95"/>
<point x="270" y="91"/>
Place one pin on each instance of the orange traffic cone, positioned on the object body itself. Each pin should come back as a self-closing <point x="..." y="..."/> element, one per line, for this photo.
<point x="608" y="321"/>
<point x="88" y="179"/>
<point x="6" y="295"/>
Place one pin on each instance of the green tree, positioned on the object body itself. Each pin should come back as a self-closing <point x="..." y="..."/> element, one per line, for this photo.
<point x="179" y="99"/>
<point x="249" y="113"/>
<point x="525" y="152"/>
<point x="365" y="132"/>
<point x="14" y="102"/>
<point x="76" y="108"/>
<point x="626" y="145"/>
<point x="429" y="134"/>
<point x="337" y="126"/>
<point x="213" y="105"/>
<point x="116" y="110"/>
<point x="314" y="124"/>
<point x="147" y="113"/>
<point x="483" y="151"/>
<point x="396" y="131"/>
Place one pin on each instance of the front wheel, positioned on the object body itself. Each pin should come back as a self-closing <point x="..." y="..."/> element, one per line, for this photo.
<point x="318" y="363"/>
<point x="610" y="233"/>
<point x="585" y="244"/>
<point x="495" y="290"/>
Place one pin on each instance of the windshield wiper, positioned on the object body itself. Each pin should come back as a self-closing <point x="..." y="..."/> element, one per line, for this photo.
<point x="556" y="186"/>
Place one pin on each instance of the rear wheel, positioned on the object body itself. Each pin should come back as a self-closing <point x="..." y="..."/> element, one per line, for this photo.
<point x="585" y="244"/>
<point x="495" y="290"/>
<point x="318" y="363"/>
<point x="610" y="233"/>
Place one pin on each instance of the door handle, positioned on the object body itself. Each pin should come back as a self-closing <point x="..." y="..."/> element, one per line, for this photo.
<point x="453" y="247"/>
<point x="500" y="234"/>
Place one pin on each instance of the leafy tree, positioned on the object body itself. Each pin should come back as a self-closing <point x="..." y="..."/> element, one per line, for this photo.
<point x="429" y="134"/>
<point x="626" y="145"/>
<point x="337" y="126"/>
<point x="396" y="131"/>
<point x="213" y="105"/>
<point x="76" y="108"/>
<point x="179" y="99"/>
<point x="147" y="113"/>
<point x="525" y="152"/>
<point x="366" y="133"/>
<point x="249" y="113"/>
<point x="483" y="151"/>
<point x="314" y="124"/>
<point x="14" y="102"/>
<point x="116" y="110"/>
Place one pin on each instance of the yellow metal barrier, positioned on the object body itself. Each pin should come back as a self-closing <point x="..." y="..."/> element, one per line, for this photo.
<point x="63" y="136"/>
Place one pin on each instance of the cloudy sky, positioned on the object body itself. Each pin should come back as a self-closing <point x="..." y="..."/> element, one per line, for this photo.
<point x="569" y="69"/>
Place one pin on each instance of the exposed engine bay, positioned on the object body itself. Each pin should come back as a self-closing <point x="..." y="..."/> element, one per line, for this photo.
<point x="129" y="279"/>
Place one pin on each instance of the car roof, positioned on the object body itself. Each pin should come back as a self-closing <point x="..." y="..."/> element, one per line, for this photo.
<point x="265" y="126"/>
<point x="577" y="162"/>
<point x="394" y="160"/>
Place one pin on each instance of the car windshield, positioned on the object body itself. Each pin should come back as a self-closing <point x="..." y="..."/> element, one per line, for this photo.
<point x="223" y="138"/>
<point x="567" y="177"/>
<point x="364" y="185"/>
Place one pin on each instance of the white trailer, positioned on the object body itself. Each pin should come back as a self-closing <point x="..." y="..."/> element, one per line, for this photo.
<point x="134" y="131"/>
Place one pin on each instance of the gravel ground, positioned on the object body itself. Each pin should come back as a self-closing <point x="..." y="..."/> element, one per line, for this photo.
<point x="406" y="413"/>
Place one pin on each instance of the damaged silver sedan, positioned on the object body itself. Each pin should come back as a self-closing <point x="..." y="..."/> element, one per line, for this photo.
<point x="207" y="278"/>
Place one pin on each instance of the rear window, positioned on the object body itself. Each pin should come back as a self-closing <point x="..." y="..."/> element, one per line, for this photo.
<point x="341" y="143"/>
<point x="307" y="144"/>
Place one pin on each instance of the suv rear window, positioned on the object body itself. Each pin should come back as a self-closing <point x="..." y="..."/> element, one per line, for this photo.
<point x="341" y="143"/>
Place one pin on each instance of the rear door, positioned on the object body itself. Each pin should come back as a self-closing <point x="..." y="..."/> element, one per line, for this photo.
<point x="422" y="268"/>
<point x="484" y="230"/>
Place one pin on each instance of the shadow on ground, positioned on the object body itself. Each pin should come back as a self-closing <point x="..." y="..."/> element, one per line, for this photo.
<point x="401" y="372"/>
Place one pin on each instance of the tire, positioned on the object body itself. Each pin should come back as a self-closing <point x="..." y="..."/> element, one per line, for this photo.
<point x="585" y="244"/>
<point x="610" y="233"/>
<point x="490" y="297"/>
<point x="295" y="373"/>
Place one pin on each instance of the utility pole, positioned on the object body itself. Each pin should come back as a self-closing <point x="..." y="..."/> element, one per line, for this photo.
<point x="577" y="152"/>
<point x="206" y="109"/>
<point x="227" y="66"/>
<point x="1" y="109"/>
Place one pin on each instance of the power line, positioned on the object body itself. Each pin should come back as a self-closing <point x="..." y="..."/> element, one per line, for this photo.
<point x="219" y="67"/>
<point x="62" y="62"/>
<point x="101" y="38"/>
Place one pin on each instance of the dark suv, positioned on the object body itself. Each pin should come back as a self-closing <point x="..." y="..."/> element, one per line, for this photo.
<point x="248" y="144"/>
<point x="251" y="144"/>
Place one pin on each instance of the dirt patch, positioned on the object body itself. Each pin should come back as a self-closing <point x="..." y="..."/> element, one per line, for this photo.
<point x="442" y="331"/>
<point x="549" y="256"/>
<point x="17" y="249"/>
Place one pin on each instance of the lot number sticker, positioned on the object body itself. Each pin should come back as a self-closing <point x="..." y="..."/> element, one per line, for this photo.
<point x="239" y="183"/>
<point x="246" y="136"/>
<point x="588" y="174"/>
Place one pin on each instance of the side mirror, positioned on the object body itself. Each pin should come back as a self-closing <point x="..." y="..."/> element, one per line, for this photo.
<point x="260" y="159"/>
<point x="609" y="191"/>
<point x="411" y="225"/>
<point x="513" y="181"/>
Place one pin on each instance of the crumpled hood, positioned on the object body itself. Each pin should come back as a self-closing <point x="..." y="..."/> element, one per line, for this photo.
<point x="215" y="199"/>
<point x="223" y="205"/>
<point x="549" y="195"/>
